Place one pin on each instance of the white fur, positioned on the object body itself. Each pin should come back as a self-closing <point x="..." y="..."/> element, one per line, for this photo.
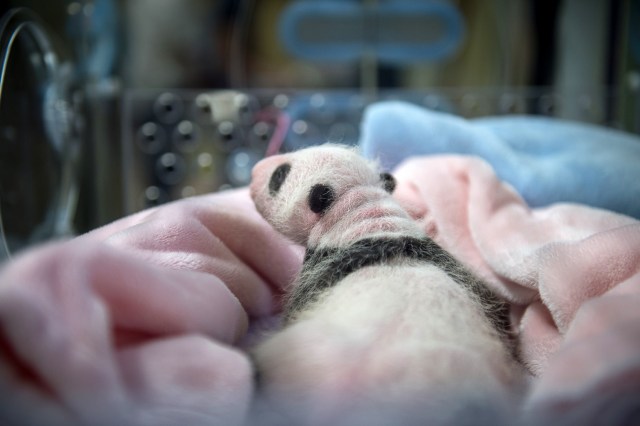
<point x="404" y="333"/>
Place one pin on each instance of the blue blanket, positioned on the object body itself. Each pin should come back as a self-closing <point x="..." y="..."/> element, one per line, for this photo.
<point x="547" y="160"/>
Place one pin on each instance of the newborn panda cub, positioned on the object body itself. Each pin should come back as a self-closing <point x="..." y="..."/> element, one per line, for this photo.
<point x="380" y="315"/>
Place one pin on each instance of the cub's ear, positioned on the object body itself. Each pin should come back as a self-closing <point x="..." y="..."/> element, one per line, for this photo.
<point x="388" y="182"/>
<point x="321" y="197"/>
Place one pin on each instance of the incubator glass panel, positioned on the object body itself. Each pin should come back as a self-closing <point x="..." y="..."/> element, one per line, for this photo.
<point x="37" y="188"/>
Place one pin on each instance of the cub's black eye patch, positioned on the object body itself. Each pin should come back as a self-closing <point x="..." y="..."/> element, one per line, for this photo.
<point x="321" y="197"/>
<point x="278" y="177"/>
<point x="388" y="182"/>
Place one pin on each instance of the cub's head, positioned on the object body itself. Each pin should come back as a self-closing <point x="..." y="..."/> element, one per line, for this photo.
<point x="295" y="191"/>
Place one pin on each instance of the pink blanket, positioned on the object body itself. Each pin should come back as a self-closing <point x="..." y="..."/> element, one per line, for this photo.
<point x="571" y="271"/>
<point x="142" y="322"/>
<point x="138" y="323"/>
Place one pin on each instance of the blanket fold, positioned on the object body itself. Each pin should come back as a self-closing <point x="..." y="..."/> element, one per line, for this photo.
<point x="546" y="160"/>
<point x="571" y="271"/>
<point x="138" y="323"/>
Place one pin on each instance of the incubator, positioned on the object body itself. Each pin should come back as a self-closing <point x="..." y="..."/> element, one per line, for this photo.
<point x="108" y="107"/>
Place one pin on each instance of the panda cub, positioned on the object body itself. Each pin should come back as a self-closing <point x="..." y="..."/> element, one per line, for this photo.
<point x="380" y="314"/>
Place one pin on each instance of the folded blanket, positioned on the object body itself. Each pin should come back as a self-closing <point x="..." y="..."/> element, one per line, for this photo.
<point x="571" y="271"/>
<point x="546" y="160"/>
<point x="140" y="322"/>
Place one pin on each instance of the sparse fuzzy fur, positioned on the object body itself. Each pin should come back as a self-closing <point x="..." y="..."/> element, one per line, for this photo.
<point x="380" y="313"/>
<point x="324" y="268"/>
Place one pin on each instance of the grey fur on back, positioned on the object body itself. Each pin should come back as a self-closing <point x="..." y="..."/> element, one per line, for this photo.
<point x="326" y="267"/>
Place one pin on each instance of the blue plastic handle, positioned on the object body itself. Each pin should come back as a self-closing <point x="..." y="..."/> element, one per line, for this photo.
<point x="396" y="32"/>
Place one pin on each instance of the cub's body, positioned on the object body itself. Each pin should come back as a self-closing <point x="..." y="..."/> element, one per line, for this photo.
<point x="381" y="316"/>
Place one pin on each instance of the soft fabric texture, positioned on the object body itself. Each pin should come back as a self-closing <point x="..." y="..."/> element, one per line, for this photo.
<point x="571" y="271"/>
<point x="546" y="160"/>
<point x="140" y="322"/>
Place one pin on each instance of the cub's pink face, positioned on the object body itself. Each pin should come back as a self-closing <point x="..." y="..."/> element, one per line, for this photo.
<point x="294" y="191"/>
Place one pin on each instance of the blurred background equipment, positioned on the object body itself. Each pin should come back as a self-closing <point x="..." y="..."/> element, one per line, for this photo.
<point x="111" y="106"/>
